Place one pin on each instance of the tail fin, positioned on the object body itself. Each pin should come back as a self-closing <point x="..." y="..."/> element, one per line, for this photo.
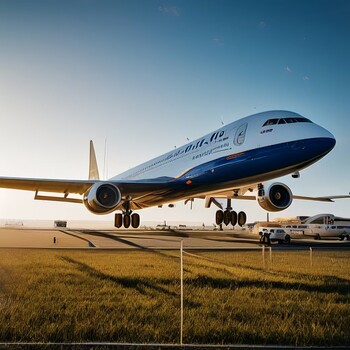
<point x="93" y="168"/>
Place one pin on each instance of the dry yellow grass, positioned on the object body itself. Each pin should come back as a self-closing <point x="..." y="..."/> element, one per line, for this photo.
<point x="119" y="296"/>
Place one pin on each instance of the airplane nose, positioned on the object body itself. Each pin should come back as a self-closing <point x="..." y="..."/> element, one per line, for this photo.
<point x="329" y="143"/>
<point x="314" y="148"/>
<point x="325" y="144"/>
<point x="325" y="140"/>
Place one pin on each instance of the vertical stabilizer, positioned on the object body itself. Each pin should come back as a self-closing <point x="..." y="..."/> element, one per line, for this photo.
<point x="93" y="169"/>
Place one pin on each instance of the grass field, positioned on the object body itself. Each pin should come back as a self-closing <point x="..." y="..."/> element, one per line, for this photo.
<point x="229" y="298"/>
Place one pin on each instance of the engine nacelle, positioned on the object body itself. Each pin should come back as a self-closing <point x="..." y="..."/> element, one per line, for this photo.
<point x="278" y="196"/>
<point x="102" y="198"/>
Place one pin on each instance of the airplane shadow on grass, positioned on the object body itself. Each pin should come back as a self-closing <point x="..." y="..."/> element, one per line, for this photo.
<point x="327" y="284"/>
<point x="330" y="284"/>
<point x="141" y="284"/>
<point x="322" y="284"/>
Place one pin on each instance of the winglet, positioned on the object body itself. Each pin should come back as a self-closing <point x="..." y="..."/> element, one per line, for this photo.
<point x="93" y="169"/>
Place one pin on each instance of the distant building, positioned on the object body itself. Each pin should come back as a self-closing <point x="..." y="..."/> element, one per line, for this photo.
<point x="60" y="223"/>
<point x="13" y="223"/>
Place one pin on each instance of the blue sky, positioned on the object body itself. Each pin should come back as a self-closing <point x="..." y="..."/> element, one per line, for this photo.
<point x="147" y="75"/>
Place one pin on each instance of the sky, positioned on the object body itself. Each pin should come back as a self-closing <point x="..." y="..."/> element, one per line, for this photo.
<point x="146" y="75"/>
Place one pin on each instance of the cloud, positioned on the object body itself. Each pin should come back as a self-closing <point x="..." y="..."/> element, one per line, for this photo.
<point x="290" y="71"/>
<point x="170" y="10"/>
<point x="217" y="42"/>
<point x="262" y="24"/>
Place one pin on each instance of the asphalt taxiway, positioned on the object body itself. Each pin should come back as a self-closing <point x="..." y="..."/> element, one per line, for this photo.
<point x="148" y="239"/>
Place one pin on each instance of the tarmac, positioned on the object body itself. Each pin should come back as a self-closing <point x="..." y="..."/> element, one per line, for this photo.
<point x="148" y="240"/>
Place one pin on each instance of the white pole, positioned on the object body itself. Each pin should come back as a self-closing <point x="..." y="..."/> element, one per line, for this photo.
<point x="182" y="292"/>
<point x="270" y="255"/>
<point x="310" y="256"/>
<point x="263" y="255"/>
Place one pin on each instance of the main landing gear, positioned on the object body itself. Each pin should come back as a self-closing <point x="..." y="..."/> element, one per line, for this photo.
<point x="228" y="216"/>
<point x="127" y="218"/>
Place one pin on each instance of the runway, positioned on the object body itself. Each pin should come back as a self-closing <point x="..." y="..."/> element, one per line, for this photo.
<point x="148" y="240"/>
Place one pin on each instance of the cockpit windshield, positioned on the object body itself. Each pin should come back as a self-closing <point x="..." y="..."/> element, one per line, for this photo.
<point x="276" y="121"/>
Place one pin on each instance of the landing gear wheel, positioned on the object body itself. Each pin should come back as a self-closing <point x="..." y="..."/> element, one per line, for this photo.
<point x="135" y="220"/>
<point x="126" y="220"/>
<point x="118" y="220"/>
<point x="242" y="218"/>
<point x="219" y="217"/>
<point x="227" y="217"/>
<point x="233" y="218"/>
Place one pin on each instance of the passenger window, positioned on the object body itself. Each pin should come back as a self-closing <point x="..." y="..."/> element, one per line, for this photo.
<point x="240" y="135"/>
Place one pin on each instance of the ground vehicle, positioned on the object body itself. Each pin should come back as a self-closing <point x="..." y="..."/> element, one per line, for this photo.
<point x="268" y="235"/>
<point x="322" y="226"/>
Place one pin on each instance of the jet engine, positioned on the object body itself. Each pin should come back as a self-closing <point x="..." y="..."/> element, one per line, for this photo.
<point x="277" y="197"/>
<point x="102" y="198"/>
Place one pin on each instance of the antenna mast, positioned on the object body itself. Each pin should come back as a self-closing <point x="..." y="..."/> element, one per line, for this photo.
<point x="105" y="165"/>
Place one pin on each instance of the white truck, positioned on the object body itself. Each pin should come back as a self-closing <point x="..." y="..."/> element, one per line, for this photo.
<point x="276" y="234"/>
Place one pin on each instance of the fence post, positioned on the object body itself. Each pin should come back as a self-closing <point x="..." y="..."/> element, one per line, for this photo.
<point x="182" y="292"/>
<point x="311" y="256"/>
<point x="263" y="255"/>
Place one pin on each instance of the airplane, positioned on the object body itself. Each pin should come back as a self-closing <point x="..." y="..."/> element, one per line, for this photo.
<point x="230" y="163"/>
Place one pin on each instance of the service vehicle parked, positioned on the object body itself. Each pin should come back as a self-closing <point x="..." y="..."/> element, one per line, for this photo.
<point x="269" y="235"/>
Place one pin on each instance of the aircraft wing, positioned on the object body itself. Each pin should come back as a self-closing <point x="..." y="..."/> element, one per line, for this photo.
<point x="321" y="199"/>
<point x="240" y="194"/>
<point x="230" y="195"/>
<point x="46" y="185"/>
<point x="153" y="187"/>
<point x="136" y="189"/>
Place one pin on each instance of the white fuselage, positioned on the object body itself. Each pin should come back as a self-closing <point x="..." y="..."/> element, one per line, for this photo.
<point x="237" y="137"/>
